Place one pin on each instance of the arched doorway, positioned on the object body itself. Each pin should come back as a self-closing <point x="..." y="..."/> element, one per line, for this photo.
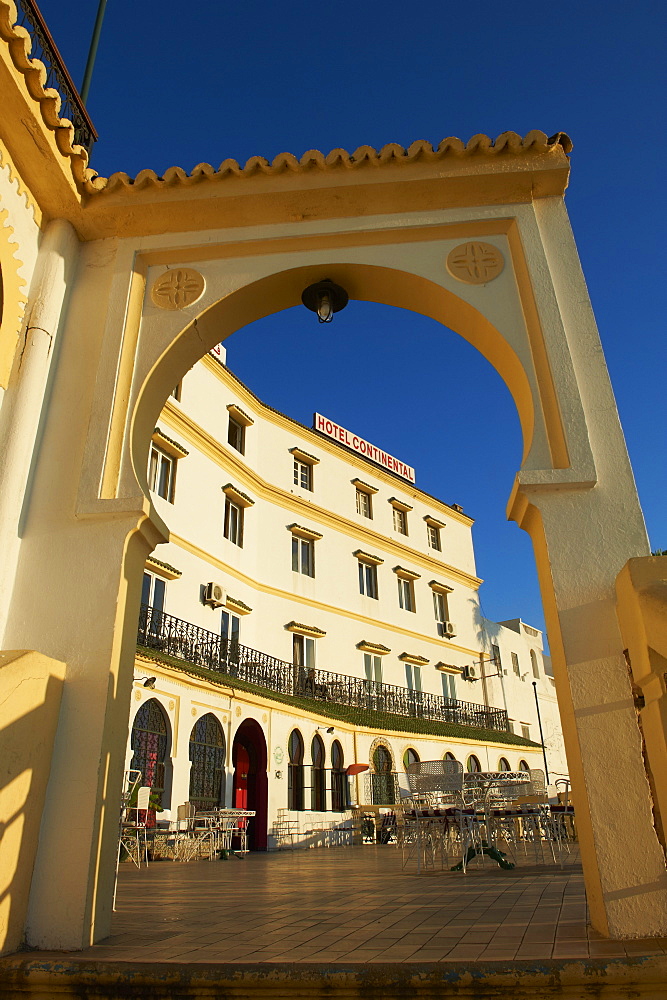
<point x="383" y="783"/>
<point x="318" y="774"/>
<point x="149" y="741"/>
<point x="250" y="782"/>
<point x="295" y="771"/>
<point x="207" y="767"/>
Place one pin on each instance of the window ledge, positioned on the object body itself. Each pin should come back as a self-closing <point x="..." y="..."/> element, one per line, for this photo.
<point x="364" y="487"/>
<point x="373" y="647"/>
<point x="406" y="574"/>
<point x="239" y="415"/>
<point x="400" y="504"/>
<point x="168" y="444"/>
<point x="366" y="557"/>
<point x="304" y="456"/>
<point x="440" y="588"/>
<point x="237" y="496"/>
<point x="306" y="533"/>
<point x="163" y="569"/>
<point x="310" y="630"/>
<point x="419" y="661"/>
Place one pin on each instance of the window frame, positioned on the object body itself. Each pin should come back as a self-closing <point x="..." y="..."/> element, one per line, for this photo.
<point x="406" y="594"/>
<point x="364" y="500"/>
<point x="233" y="536"/>
<point x="300" y="545"/>
<point x="239" y="429"/>
<point x="516" y="666"/>
<point x="162" y="459"/>
<point x="400" y="521"/>
<point x="368" y="579"/>
<point x="433" y="535"/>
<point x="301" y="467"/>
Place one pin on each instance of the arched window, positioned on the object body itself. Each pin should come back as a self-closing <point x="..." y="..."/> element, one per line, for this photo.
<point x="533" y="663"/>
<point x="318" y="799"/>
<point x="472" y="764"/>
<point x="523" y="765"/>
<point x="339" y="797"/>
<point x="504" y="764"/>
<point x="207" y="753"/>
<point x="410" y="757"/>
<point x="149" y="742"/>
<point x="383" y="784"/>
<point x="295" y="771"/>
<point x="449" y="756"/>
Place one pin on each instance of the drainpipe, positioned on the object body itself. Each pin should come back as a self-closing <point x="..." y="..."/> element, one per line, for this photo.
<point x="27" y="399"/>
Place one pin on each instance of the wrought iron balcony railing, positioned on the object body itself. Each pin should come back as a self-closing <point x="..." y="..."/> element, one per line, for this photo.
<point x="57" y="76"/>
<point x="189" y="642"/>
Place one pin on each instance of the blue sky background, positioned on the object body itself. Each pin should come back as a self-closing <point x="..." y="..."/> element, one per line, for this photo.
<point x="176" y="84"/>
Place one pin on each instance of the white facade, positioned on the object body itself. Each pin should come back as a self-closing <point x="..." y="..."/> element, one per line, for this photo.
<point x="327" y="560"/>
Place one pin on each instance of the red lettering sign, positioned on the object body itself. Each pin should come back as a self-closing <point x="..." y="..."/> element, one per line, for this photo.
<point x="362" y="447"/>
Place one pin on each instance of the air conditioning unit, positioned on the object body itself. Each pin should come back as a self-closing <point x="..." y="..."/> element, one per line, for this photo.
<point x="448" y="629"/>
<point x="215" y="595"/>
<point x="469" y="674"/>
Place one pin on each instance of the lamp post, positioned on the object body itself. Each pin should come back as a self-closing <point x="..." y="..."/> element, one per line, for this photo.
<point x="92" y="52"/>
<point x="539" y="722"/>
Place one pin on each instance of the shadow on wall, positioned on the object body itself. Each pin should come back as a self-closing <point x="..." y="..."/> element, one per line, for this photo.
<point x="32" y="686"/>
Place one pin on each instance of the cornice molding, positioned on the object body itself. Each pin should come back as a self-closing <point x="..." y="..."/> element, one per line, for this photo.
<point x="534" y="144"/>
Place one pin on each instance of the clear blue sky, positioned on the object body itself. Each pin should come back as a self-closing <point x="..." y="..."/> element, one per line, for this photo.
<point x="176" y="84"/>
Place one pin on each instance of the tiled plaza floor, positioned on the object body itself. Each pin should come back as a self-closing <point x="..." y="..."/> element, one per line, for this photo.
<point x="351" y="905"/>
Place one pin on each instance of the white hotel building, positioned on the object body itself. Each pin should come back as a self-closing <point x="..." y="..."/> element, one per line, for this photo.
<point x="314" y="610"/>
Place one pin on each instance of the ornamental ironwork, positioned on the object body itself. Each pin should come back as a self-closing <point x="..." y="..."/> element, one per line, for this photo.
<point x="149" y="741"/>
<point x="184" y="641"/>
<point x="45" y="49"/>
<point x="207" y="753"/>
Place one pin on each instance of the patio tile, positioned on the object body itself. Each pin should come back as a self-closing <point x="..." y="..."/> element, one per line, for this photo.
<point x="354" y="905"/>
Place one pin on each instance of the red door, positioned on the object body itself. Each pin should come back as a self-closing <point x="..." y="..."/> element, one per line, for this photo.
<point x="241" y="771"/>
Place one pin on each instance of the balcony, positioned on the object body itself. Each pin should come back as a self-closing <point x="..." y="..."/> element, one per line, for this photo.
<point x="184" y="641"/>
<point x="57" y="76"/>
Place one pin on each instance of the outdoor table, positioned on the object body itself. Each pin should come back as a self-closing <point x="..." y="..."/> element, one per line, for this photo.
<point x="487" y="782"/>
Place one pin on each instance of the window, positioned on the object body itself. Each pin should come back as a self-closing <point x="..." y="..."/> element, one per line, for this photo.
<point x="233" y="529"/>
<point x="413" y="676"/>
<point x="523" y="766"/>
<point x="303" y="555"/>
<point x="400" y="521"/>
<point x="515" y="664"/>
<point x="440" y="606"/>
<point x="525" y="731"/>
<point x="368" y="579"/>
<point x="295" y="771"/>
<point x="303" y="650"/>
<point x="373" y="667"/>
<point x="230" y="632"/>
<point x="473" y="764"/>
<point x="161" y="473"/>
<point x="495" y="653"/>
<point x="303" y="474"/>
<point x="383" y="786"/>
<point x="433" y="532"/>
<point x="533" y="663"/>
<point x="364" y="504"/>
<point x="149" y="742"/>
<point x="176" y="392"/>
<point x="153" y="589"/>
<point x="410" y="757"/>
<point x="406" y="594"/>
<point x="236" y="435"/>
<point x="448" y="686"/>
<point x="339" y="784"/>
<point x="207" y="754"/>
<point x="449" y="756"/>
<point x="318" y="800"/>
<point x="504" y="764"/>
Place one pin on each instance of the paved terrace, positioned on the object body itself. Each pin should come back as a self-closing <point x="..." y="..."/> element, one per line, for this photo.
<point x="347" y="922"/>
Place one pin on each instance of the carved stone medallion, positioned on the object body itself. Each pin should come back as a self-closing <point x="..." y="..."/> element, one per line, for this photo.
<point x="475" y="263"/>
<point x="178" y="288"/>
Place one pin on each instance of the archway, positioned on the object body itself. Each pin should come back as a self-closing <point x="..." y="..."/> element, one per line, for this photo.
<point x="532" y="322"/>
<point x="207" y="763"/>
<point x="250" y="781"/>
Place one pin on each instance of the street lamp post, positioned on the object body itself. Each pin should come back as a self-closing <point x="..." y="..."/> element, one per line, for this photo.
<point x="539" y="722"/>
<point x="88" y="72"/>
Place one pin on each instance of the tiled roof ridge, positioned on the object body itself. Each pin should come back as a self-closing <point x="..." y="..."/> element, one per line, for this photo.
<point x="508" y="143"/>
<point x="35" y="74"/>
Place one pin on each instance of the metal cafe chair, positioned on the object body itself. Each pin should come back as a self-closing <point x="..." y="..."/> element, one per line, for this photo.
<point x="436" y="820"/>
<point x="133" y="829"/>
